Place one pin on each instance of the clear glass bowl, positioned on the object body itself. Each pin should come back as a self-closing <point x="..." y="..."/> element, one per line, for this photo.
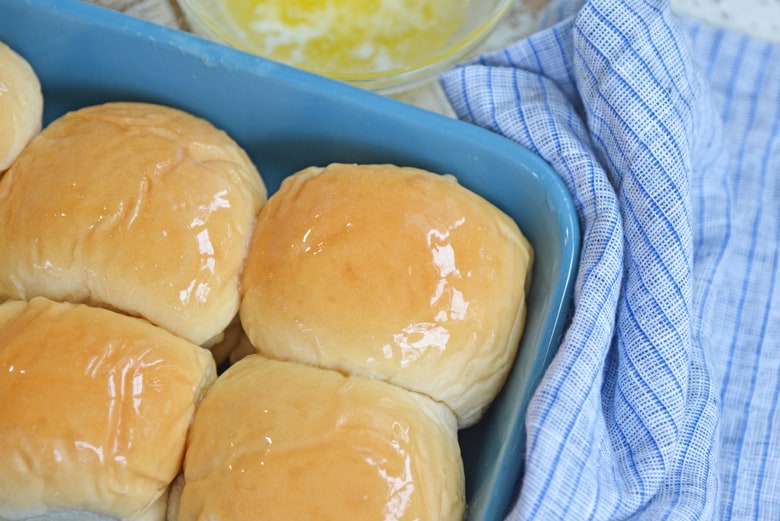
<point x="385" y="45"/>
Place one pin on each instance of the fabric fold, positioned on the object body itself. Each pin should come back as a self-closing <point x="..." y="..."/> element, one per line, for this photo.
<point x="629" y="104"/>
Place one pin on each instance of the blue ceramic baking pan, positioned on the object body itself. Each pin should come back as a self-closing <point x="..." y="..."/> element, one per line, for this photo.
<point x="288" y="119"/>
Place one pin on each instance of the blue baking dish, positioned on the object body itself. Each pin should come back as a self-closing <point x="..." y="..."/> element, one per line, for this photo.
<point x="288" y="119"/>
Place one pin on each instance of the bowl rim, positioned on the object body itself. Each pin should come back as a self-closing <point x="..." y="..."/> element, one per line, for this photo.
<point x="387" y="81"/>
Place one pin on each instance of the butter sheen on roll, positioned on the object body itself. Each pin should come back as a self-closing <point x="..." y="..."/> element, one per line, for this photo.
<point x="21" y="104"/>
<point x="96" y="408"/>
<point x="136" y="207"/>
<point x="278" y="441"/>
<point x="392" y="273"/>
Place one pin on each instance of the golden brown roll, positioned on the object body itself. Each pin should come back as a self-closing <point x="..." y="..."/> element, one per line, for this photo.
<point x="21" y="105"/>
<point x="283" y="441"/>
<point x="95" y="411"/>
<point x="393" y="273"/>
<point x="136" y="207"/>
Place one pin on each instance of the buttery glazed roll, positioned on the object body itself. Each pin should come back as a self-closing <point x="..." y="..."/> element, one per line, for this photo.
<point x="21" y="104"/>
<point x="393" y="273"/>
<point x="281" y="441"/>
<point x="95" y="411"/>
<point x="136" y="207"/>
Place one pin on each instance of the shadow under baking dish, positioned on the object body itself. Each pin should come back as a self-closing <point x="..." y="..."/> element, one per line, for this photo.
<point x="288" y="119"/>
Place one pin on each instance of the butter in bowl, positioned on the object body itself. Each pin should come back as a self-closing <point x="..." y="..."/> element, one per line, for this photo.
<point x="382" y="45"/>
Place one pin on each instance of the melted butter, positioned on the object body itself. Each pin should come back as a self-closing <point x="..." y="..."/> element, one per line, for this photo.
<point x="200" y="289"/>
<point x="400" y="489"/>
<point x="341" y="37"/>
<point x="415" y="339"/>
<point x="447" y="303"/>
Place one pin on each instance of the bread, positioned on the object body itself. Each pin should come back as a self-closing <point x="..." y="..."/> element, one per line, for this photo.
<point x="21" y="105"/>
<point x="282" y="441"/>
<point x="233" y="345"/>
<point x="96" y="407"/>
<point x="392" y="273"/>
<point x="136" y="207"/>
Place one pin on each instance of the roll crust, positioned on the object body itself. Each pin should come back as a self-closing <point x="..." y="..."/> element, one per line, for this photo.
<point x="392" y="273"/>
<point x="282" y="441"/>
<point x="21" y="105"/>
<point x="96" y="408"/>
<point x="136" y="207"/>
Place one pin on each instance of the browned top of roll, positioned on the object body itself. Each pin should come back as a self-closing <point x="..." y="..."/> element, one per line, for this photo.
<point x="393" y="273"/>
<point x="274" y="441"/>
<point x="96" y="407"/>
<point x="133" y="206"/>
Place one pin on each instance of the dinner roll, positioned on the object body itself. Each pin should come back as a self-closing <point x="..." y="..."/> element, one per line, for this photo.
<point x="392" y="273"/>
<point x="21" y="104"/>
<point x="136" y="207"/>
<point x="96" y="407"/>
<point x="278" y="441"/>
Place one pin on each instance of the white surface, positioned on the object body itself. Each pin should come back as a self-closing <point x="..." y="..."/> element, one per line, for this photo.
<point x="761" y="18"/>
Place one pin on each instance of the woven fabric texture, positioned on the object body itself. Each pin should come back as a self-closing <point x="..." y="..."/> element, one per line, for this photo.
<point x="662" y="400"/>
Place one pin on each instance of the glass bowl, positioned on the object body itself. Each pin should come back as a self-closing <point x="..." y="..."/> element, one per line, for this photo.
<point x="382" y="45"/>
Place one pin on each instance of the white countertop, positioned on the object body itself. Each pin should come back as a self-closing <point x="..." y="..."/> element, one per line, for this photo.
<point x="760" y="18"/>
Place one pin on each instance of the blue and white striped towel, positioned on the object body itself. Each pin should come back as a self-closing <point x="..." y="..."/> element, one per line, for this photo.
<point x="663" y="401"/>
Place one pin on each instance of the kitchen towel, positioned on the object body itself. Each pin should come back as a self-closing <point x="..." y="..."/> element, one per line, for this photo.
<point x="663" y="400"/>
